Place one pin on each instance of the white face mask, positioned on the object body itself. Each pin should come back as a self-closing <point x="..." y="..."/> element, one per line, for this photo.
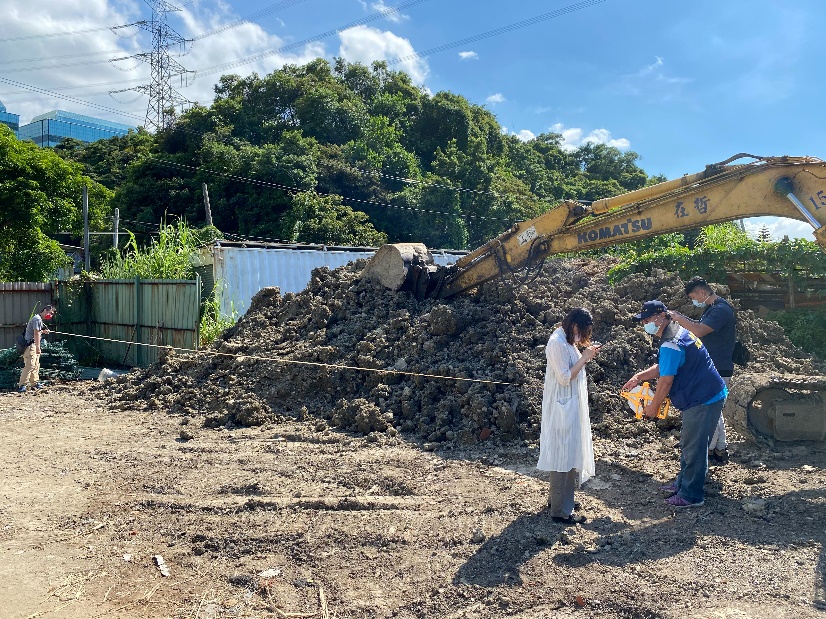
<point x="577" y="339"/>
<point x="651" y="327"/>
<point x="700" y="303"/>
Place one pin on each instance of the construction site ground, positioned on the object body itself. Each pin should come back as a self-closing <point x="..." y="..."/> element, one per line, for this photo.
<point x="293" y="518"/>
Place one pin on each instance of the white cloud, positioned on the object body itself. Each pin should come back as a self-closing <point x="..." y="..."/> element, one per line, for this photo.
<point x="652" y="67"/>
<point x="391" y="13"/>
<point x="496" y="98"/>
<point x="574" y="137"/>
<point x="365" y="44"/>
<point x="525" y="135"/>
<point x="780" y="227"/>
<point x="653" y="81"/>
<point x="468" y="55"/>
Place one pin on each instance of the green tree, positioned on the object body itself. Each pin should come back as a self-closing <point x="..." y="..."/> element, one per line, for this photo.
<point x="40" y="195"/>
<point x="764" y="235"/>
<point x="324" y="219"/>
<point x="107" y="161"/>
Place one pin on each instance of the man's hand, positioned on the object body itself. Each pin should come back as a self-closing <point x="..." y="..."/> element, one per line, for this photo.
<point x="632" y="382"/>
<point x="650" y="411"/>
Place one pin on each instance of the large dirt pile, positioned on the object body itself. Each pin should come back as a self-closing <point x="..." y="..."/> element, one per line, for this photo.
<point x="277" y="360"/>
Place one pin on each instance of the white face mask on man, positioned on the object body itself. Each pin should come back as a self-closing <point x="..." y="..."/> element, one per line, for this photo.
<point x="700" y="303"/>
<point x="650" y="327"/>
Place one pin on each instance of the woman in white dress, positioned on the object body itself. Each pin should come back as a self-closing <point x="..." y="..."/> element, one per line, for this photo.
<point x="565" y="445"/>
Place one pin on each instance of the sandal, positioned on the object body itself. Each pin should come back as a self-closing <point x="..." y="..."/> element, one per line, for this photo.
<point x="570" y="520"/>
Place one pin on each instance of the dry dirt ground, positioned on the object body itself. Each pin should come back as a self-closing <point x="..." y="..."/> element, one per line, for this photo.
<point x="293" y="519"/>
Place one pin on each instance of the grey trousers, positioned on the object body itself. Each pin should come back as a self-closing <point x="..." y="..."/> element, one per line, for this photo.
<point x="561" y="493"/>
<point x="718" y="441"/>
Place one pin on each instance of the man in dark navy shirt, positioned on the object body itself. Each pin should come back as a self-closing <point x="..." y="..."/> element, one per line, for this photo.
<point x="717" y="329"/>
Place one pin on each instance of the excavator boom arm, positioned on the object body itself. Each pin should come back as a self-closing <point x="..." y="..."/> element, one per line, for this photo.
<point x="778" y="186"/>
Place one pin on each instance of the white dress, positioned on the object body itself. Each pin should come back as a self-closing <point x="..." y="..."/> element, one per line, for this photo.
<point x="565" y="439"/>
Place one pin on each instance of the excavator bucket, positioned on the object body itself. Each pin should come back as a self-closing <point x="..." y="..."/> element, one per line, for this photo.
<point x="405" y="266"/>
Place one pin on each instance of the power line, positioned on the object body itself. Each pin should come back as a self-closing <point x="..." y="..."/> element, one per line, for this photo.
<point x="414" y="181"/>
<point x="69" y="33"/>
<point x="64" y="65"/>
<point x="497" y="31"/>
<point x="292" y="189"/>
<point x="83" y="87"/>
<point x="284" y="4"/>
<point x="57" y="95"/>
<point x="61" y="57"/>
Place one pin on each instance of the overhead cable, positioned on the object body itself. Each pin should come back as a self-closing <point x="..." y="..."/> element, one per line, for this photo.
<point x="273" y="8"/>
<point x="255" y="181"/>
<point x="497" y="31"/>
<point x="70" y="32"/>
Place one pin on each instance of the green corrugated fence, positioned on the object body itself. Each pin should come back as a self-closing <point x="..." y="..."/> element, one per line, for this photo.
<point x="132" y="312"/>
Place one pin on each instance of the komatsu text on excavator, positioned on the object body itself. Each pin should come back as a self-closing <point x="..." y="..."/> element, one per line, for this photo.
<point x="793" y="187"/>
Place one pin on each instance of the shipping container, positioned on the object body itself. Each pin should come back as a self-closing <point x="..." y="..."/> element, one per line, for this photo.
<point x="242" y="269"/>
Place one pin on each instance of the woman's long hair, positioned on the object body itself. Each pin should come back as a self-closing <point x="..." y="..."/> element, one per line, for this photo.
<point x="584" y="322"/>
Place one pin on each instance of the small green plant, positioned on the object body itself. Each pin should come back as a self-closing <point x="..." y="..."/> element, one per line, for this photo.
<point x="213" y="324"/>
<point x="167" y="257"/>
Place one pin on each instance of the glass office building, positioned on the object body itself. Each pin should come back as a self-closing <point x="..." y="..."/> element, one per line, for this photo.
<point x="51" y="128"/>
<point x="12" y="120"/>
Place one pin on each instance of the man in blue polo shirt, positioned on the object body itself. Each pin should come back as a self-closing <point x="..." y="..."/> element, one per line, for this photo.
<point x="717" y="329"/>
<point x="687" y="375"/>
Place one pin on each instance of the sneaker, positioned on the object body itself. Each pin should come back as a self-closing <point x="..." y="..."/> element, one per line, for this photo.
<point x="570" y="520"/>
<point x="669" y="488"/>
<point x="21" y="389"/>
<point x="39" y="386"/>
<point x="678" y="501"/>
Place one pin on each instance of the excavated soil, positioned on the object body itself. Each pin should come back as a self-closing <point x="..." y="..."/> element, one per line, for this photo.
<point x="274" y="483"/>
<point x="285" y="357"/>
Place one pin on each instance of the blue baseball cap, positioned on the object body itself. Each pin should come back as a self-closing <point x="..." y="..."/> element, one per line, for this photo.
<point x="649" y="308"/>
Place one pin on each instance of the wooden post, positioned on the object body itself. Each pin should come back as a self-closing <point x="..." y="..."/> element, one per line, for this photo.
<point x="206" y="205"/>
<point x="116" y="222"/>
<point x="791" y="292"/>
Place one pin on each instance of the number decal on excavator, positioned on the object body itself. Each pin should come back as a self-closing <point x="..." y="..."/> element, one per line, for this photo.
<point x="527" y="236"/>
<point x="821" y="200"/>
<point x="701" y="205"/>
<point x="632" y="226"/>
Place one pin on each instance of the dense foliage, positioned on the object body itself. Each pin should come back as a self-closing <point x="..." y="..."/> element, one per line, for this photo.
<point x="721" y="249"/>
<point x="806" y="327"/>
<point x="349" y="154"/>
<point x="40" y="195"/>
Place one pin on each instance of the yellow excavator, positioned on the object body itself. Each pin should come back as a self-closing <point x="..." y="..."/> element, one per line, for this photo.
<point x="791" y="408"/>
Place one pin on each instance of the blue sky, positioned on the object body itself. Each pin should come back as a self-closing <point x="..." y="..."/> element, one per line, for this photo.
<point x="682" y="84"/>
